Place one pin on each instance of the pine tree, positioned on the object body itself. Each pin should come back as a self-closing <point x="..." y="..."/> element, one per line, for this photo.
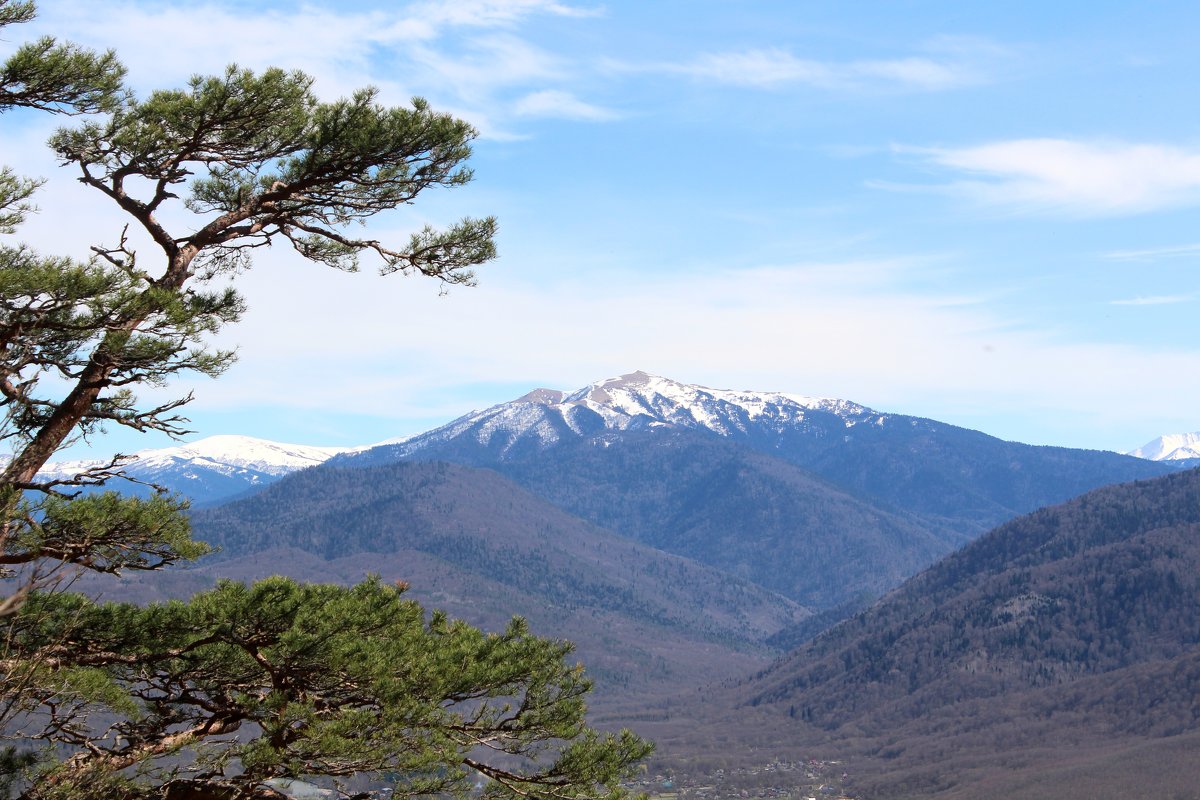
<point x="49" y="307"/>
<point x="218" y="696"/>
<point x="256" y="159"/>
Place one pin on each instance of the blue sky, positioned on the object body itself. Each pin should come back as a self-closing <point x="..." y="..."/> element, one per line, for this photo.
<point x="988" y="214"/>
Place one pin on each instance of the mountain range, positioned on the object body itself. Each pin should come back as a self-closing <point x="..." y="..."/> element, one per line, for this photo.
<point x="825" y="435"/>
<point x="684" y="536"/>
<point x="823" y="501"/>
<point x="473" y="543"/>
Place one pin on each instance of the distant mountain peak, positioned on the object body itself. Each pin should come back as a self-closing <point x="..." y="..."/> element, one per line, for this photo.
<point x="599" y="392"/>
<point x="632" y="401"/>
<point x="212" y="467"/>
<point x="643" y="393"/>
<point x="1172" y="447"/>
<point x="273" y="458"/>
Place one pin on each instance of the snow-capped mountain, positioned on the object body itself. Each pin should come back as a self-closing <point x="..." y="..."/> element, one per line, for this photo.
<point x="635" y="401"/>
<point x="1172" y="447"/>
<point x="213" y="468"/>
<point x="224" y="453"/>
<point x="955" y="475"/>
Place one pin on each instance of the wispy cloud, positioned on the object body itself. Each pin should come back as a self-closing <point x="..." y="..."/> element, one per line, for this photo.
<point x="1160" y="300"/>
<point x="756" y="68"/>
<point x="946" y="63"/>
<point x="1155" y="253"/>
<point x="491" y="13"/>
<point x="151" y="44"/>
<point x="561" y="105"/>
<point x="486" y="65"/>
<point x="1070" y="177"/>
<point x="775" y="68"/>
<point x="471" y="56"/>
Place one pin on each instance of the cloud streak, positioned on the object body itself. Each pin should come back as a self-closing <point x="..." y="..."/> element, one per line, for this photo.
<point x="776" y="68"/>
<point x="1155" y="253"/>
<point x="561" y="105"/>
<point x="492" y="13"/>
<point x="1068" y="177"/>
<point x="942" y="64"/>
<point x="1157" y="300"/>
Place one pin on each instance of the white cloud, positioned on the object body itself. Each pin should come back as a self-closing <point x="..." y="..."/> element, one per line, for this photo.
<point x="150" y="38"/>
<point x="1071" y="177"/>
<point x="1155" y="253"/>
<point x="1157" y="300"/>
<point x="758" y="68"/>
<point x="944" y="64"/>
<point x="489" y="63"/>
<point x="464" y="55"/>
<point x="561" y="105"/>
<point x="490" y="13"/>
<point x="914" y="73"/>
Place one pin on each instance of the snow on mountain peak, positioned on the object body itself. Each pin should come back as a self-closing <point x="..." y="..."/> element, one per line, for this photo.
<point x="273" y="458"/>
<point x="640" y="393"/>
<point x="637" y="399"/>
<point x="1172" y="447"/>
<point x="220" y="452"/>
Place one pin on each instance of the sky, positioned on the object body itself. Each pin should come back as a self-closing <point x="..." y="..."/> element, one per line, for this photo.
<point x="985" y="214"/>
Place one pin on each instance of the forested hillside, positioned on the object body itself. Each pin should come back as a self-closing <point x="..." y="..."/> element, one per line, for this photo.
<point x="1070" y="634"/>
<point x="474" y="543"/>
<point x="739" y="510"/>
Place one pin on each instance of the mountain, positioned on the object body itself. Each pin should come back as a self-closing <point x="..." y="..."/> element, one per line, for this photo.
<point x="209" y="470"/>
<point x="1057" y="656"/>
<point x="476" y="544"/>
<point x="826" y="501"/>
<point x="958" y="479"/>
<point x="1172" y="447"/>
<point x="543" y="418"/>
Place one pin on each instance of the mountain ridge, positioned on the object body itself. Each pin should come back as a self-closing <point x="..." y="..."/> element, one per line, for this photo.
<point x="953" y="476"/>
<point x="625" y="402"/>
<point x="803" y="429"/>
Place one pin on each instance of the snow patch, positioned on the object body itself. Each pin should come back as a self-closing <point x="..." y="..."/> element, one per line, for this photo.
<point x="226" y="454"/>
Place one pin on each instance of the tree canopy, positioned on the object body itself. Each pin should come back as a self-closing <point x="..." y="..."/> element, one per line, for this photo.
<point x="255" y="159"/>
<point x="50" y="307"/>
<point x="241" y="685"/>
<point x="219" y="696"/>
